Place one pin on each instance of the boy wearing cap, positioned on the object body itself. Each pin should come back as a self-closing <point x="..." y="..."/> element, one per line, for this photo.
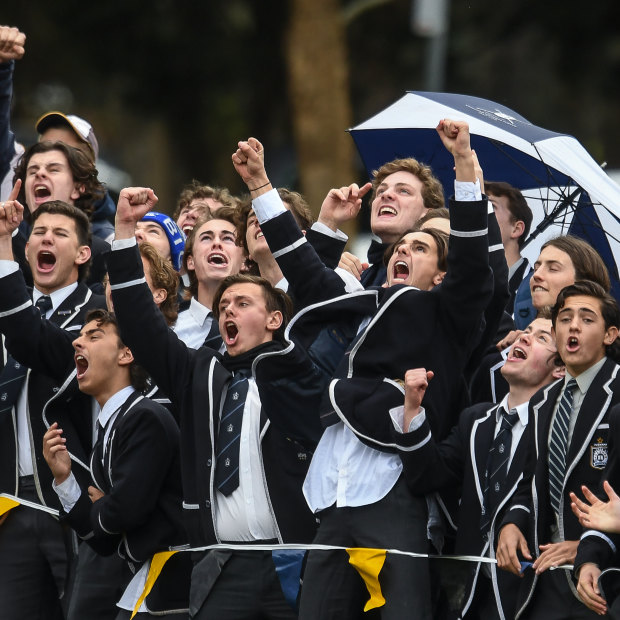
<point x="161" y="231"/>
<point x="55" y="171"/>
<point x="79" y="133"/>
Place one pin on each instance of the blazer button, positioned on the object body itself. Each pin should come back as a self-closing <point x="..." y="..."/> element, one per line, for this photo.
<point x="208" y="503"/>
<point x="209" y="463"/>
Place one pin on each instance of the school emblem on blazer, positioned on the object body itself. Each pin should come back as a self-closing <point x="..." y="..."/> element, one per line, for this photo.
<point x="598" y="454"/>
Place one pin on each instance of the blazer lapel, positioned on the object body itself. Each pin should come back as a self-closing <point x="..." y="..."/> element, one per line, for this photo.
<point x="106" y="446"/>
<point x="71" y="305"/>
<point x="483" y="432"/>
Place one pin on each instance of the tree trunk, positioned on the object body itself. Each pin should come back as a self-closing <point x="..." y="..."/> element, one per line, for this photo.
<point x="319" y="93"/>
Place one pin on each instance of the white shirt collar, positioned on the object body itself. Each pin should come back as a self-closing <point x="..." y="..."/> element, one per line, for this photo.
<point x="584" y="380"/>
<point x="515" y="266"/>
<point x="199" y="312"/>
<point x="522" y="410"/>
<point x="113" y="404"/>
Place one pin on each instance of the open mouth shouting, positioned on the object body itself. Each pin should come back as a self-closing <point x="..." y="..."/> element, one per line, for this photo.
<point x="572" y="344"/>
<point x="232" y="333"/>
<point x="45" y="261"/>
<point x="217" y="259"/>
<point x="42" y="194"/>
<point x="518" y="353"/>
<point x="81" y="365"/>
<point x="401" y="272"/>
<point x="387" y="211"/>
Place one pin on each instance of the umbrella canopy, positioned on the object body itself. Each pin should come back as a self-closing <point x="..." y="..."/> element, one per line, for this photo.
<point x="566" y="189"/>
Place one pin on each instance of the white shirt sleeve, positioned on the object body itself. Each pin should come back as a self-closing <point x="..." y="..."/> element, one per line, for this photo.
<point x="398" y="417"/>
<point x="351" y="283"/>
<point x="466" y="191"/>
<point x="268" y="205"/>
<point x="68" y="492"/>
<point x="326" y="230"/>
<point x="7" y="267"/>
<point x="121" y="244"/>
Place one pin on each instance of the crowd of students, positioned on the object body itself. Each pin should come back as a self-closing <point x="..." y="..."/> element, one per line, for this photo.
<point x="231" y="377"/>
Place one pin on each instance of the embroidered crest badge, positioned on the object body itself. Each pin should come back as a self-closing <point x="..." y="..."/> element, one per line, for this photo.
<point x="598" y="454"/>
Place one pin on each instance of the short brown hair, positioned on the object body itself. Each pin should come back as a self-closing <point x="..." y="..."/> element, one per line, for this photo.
<point x="82" y="226"/>
<point x="587" y="262"/>
<point x="517" y="205"/>
<point x="82" y="168"/>
<point x="275" y="299"/>
<point x="164" y="276"/>
<point x="138" y="376"/>
<point x="432" y="190"/>
<point x="228" y="214"/>
<point x="196" y="190"/>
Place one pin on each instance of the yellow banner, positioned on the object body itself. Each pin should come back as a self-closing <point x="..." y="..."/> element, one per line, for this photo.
<point x="368" y="563"/>
<point x="7" y="504"/>
<point x="157" y="563"/>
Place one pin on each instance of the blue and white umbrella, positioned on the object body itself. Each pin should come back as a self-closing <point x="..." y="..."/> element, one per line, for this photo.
<point x="566" y="189"/>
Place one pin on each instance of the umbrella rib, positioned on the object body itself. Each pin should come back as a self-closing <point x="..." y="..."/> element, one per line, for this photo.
<point x="497" y="144"/>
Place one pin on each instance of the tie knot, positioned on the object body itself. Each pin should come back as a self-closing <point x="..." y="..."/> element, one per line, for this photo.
<point x="100" y="431"/>
<point x="509" y="418"/>
<point x="571" y="385"/>
<point x="44" y="303"/>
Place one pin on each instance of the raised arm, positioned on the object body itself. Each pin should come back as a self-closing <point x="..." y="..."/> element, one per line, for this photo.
<point x="12" y="48"/>
<point x="309" y="279"/>
<point x="428" y="466"/>
<point x="143" y="327"/>
<point x="467" y="288"/>
<point x="454" y="136"/>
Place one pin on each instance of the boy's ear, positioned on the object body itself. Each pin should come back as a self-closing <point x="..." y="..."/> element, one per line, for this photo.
<point x="274" y="321"/>
<point x="125" y="356"/>
<point x="160" y="295"/>
<point x="611" y="333"/>
<point x="517" y="229"/>
<point x="438" y="278"/>
<point x="83" y="255"/>
<point x="559" y="372"/>
<point x="78" y="190"/>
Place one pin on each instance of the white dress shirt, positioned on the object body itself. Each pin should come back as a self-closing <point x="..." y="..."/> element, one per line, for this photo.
<point x="193" y="324"/>
<point x="245" y="514"/>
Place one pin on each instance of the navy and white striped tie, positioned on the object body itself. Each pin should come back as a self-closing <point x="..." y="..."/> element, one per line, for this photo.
<point x="559" y="445"/>
<point x="228" y="438"/>
<point x="214" y="338"/>
<point x="497" y="468"/>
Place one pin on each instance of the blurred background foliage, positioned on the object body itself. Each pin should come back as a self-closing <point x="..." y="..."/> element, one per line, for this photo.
<point x="170" y="87"/>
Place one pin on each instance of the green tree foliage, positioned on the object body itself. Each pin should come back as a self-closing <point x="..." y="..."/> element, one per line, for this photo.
<point x="171" y="86"/>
